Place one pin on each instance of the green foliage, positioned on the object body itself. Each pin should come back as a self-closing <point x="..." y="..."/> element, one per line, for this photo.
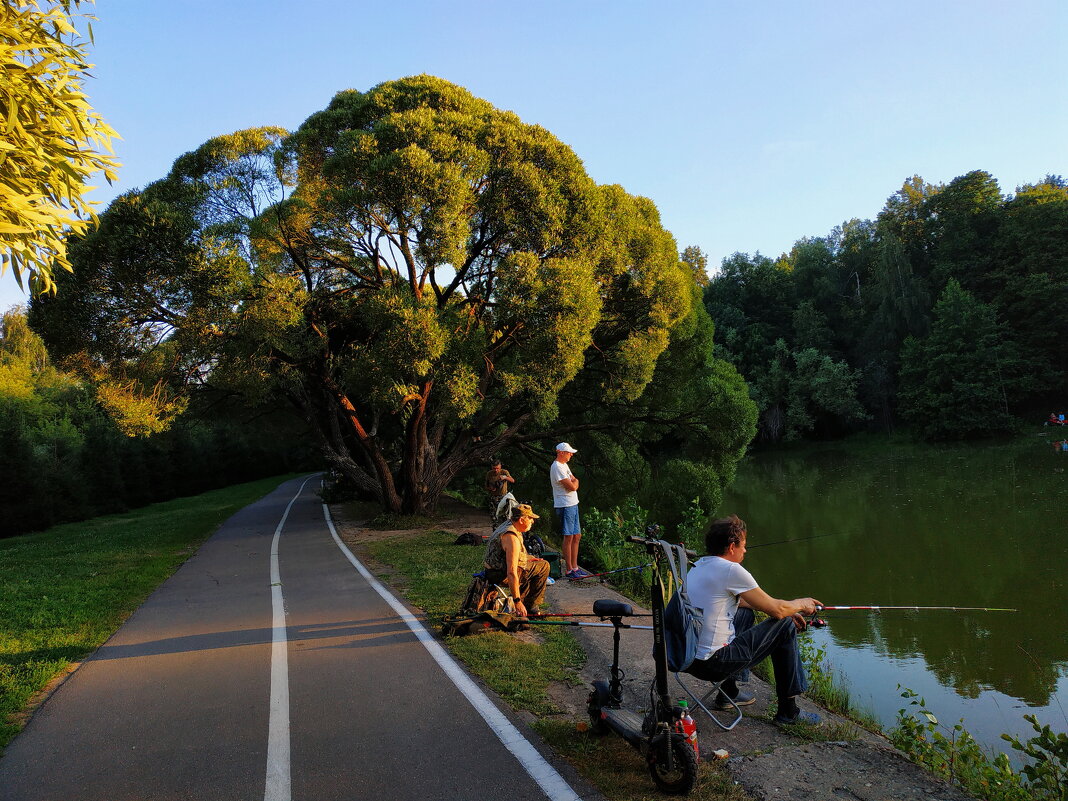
<point x="53" y="139"/>
<point x="802" y="387"/>
<point x="1047" y="771"/>
<point x="825" y="687"/>
<point x="604" y="545"/>
<point x="425" y="278"/>
<point x="956" y="756"/>
<point x="955" y="382"/>
<point x="604" y="541"/>
<point x="862" y="302"/>
<point x="65" y="457"/>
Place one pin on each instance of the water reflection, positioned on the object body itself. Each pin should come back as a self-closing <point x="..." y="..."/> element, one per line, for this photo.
<point x="975" y="525"/>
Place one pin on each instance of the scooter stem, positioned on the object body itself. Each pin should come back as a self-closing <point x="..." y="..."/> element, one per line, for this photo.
<point x="616" y="685"/>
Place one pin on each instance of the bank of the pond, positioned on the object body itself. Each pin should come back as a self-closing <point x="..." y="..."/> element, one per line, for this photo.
<point x="839" y="760"/>
<point x="901" y="523"/>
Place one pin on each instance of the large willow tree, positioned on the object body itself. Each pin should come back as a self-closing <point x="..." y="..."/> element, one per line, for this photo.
<point x="422" y="275"/>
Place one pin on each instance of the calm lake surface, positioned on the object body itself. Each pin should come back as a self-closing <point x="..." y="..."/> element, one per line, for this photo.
<point x="920" y="525"/>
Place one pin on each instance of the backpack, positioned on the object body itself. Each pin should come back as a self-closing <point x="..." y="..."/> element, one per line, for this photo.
<point x="534" y="544"/>
<point x="682" y="620"/>
<point x="470" y="538"/>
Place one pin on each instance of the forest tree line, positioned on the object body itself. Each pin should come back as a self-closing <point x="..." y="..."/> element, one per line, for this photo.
<point x="420" y="302"/>
<point x="71" y="448"/>
<point x="947" y="314"/>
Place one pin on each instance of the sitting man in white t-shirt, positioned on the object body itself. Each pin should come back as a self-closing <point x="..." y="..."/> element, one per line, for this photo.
<point x="730" y="643"/>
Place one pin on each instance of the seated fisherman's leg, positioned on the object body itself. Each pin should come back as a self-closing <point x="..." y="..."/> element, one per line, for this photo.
<point x="789" y="677"/>
<point x="743" y="621"/>
<point x="749" y="648"/>
<point x="532" y="583"/>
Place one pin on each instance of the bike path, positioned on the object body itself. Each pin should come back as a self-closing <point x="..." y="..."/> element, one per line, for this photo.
<point x="177" y="704"/>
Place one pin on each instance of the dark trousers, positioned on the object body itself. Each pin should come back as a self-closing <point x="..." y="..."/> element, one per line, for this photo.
<point x="751" y="644"/>
<point x="531" y="582"/>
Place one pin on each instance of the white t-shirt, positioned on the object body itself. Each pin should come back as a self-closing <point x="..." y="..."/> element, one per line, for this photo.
<point x="714" y="584"/>
<point x="561" y="497"/>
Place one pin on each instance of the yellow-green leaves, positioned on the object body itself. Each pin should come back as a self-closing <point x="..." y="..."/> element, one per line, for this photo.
<point x="51" y="140"/>
<point x="137" y="412"/>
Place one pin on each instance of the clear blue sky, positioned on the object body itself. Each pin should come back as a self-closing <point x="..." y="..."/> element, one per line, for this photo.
<point x="749" y="124"/>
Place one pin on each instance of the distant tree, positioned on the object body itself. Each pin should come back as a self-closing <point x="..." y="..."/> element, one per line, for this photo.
<point x="426" y="278"/>
<point x="907" y="216"/>
<point x="53" y="140"/>
<point x="751" y="301"/>
<point x="810" y="327"/>
<point x="1029" y="282"/>
<point x="802" y="391"/>
<point x="954" y="383"/>
<point x="698" y="262"/>
<point x="964" y="219"/>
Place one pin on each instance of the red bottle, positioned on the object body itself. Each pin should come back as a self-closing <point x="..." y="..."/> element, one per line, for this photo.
<point x="688" y="727"/>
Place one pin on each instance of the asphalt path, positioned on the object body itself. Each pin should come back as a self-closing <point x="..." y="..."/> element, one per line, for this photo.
<point x="211" y="691"/>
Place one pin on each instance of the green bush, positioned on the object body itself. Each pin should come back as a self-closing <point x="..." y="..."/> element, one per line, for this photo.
<point x="956" y="756"/>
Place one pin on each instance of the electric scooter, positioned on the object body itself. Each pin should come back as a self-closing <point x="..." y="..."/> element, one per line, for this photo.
<point x="671" y="759"/>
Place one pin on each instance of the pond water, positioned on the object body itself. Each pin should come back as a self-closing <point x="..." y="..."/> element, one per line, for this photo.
<point x="965" y="525"/>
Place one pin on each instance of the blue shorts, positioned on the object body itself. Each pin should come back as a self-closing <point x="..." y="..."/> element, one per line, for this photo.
<point x="568" y="518"/>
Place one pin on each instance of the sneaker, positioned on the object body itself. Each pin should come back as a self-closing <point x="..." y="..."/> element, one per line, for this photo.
<point x="550" y="581"/>
<point x="583" y="573"/>
<point x="723" y="701"/>
<point x="572" y="574"/>
<point x="808" y="718"/>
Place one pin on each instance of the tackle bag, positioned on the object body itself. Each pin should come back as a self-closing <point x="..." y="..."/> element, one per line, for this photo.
<point x="682" y="620"/>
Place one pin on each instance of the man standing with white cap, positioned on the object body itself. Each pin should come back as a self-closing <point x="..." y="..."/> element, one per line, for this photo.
<point x="565" y="506"/>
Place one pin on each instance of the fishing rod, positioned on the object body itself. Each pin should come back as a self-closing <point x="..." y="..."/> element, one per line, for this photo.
<point x="578" y="623"/>
<point x="610" y="572"/>
<point x="782" y="542"/>
<point x="576" y="614"/>
<point x="923" y="608"/>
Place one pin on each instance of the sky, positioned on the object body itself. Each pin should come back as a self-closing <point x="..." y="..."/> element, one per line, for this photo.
<point x="749" y="124"/>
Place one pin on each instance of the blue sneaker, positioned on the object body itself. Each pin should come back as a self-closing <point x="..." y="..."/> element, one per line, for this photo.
<point x="808" y="718"/>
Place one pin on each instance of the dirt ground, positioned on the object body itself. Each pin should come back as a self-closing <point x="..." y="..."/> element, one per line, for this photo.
<point x="766" y="761"/>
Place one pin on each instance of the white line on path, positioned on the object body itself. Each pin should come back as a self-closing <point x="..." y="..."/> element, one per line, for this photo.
<point x="551" y="782"/>
<point x="278" y="786"/>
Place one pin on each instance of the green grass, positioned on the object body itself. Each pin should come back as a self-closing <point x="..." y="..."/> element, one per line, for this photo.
<point x="64" y="591"/>
<point x="437" y="574"/>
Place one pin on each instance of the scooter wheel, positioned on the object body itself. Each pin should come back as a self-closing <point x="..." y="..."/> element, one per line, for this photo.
<point x="680" y="778"/>
<point x="593" y="709"/>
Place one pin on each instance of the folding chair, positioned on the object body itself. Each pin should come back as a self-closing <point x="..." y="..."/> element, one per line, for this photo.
<point x="710" y="698"/>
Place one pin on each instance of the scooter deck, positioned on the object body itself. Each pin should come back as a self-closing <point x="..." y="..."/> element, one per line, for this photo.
<point x="624" y="719"/>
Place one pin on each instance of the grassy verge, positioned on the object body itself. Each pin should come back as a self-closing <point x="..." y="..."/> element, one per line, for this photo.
<point x="64" y="591"/>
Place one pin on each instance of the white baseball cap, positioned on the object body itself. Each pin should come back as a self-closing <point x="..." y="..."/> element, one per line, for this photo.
<point x="563" y="446"/>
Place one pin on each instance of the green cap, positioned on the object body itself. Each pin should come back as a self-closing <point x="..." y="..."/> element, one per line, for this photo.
<point x="685" y="704"/>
